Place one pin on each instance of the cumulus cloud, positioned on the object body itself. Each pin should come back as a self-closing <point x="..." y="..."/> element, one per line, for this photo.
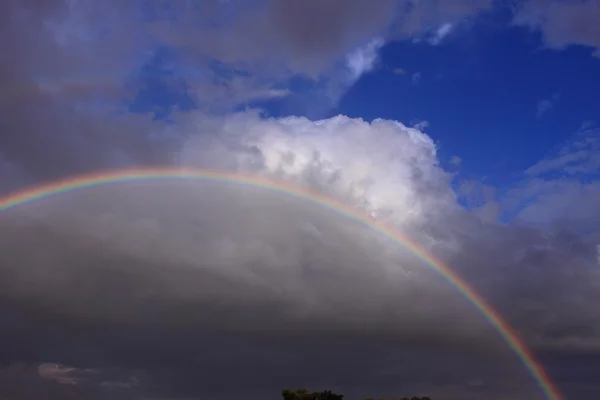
<point x="343" y="156"/>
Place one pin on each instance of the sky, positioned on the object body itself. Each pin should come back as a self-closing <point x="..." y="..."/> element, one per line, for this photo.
<point x="472" y="127"/>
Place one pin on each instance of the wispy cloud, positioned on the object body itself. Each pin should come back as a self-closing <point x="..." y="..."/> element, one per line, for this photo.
<point x="421" y="125"/>
<point x="455" y="160"/>
<point x="416" y="78"/>
<point x="546" y="105"/>
<point x="363" y="59"/>
<point x="579" y="155"/>
<point x="440" y="33"/>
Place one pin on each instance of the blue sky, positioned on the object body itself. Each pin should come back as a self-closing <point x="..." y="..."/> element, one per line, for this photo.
<point x="480" y="95"/>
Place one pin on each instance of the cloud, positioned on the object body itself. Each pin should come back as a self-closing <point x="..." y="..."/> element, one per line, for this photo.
<point x="544" y="106"/>
<point x="56" y="129"/>
<point x="322" y="155"/>
<point x="277" y="42"/>
<point x="210" y="290"/>
<point x="169" y="277"/>
<point x="559" y="191"/>
<point x="272" y="42"/>
<point x="422" y="15"/>
<point x="579" y="155"/>
<point x="561" y="23"/>
<point x="455" y="160"/>
<point x="564" y="201"/>
<point x="439" y="35"/>
<point x="416" y="78"/>
<point x="74" y="65"/>
<point x="58" y="373"/>
<point x="22" y="381"/>
<point x="421" y="126"/>
<point x="363" y="59"/>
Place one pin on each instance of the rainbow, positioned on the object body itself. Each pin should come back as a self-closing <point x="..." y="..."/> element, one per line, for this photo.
<point x="151" y="174"/>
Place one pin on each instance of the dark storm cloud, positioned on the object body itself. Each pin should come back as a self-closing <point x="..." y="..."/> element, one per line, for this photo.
<point x="63" y="65"/>
<point x="105" y="288"/>
<point x="86" y="299"/>
<point x="255" y="289"/>
<point x="191" y="290"/>
<point x="322" y="31"/>
<point x="306" y="36"/>
<point x="259" y="46"/>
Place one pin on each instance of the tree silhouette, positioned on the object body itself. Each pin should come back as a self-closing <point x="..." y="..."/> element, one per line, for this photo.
<point x="303" y="394"/>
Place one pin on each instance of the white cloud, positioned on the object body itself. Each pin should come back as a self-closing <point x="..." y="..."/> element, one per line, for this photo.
<point x="440" y="33"/>
<point x="557" y="163"/>
<point x="343" y="155"/>
<point x="363" y="59"/>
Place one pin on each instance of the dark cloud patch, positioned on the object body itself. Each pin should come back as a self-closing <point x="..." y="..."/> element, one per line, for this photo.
<point x="563" y="23"/>
<point x="66" y="65"/>
<point x="94" y="294"/>
<point x="316" y="30"/>
<point x="132" y="277"/>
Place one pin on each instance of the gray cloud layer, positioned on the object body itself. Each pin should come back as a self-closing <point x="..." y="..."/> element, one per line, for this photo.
<point x="187" y="289"/>
<point x="151" y="275"/>
<point x="563" y="23"/>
